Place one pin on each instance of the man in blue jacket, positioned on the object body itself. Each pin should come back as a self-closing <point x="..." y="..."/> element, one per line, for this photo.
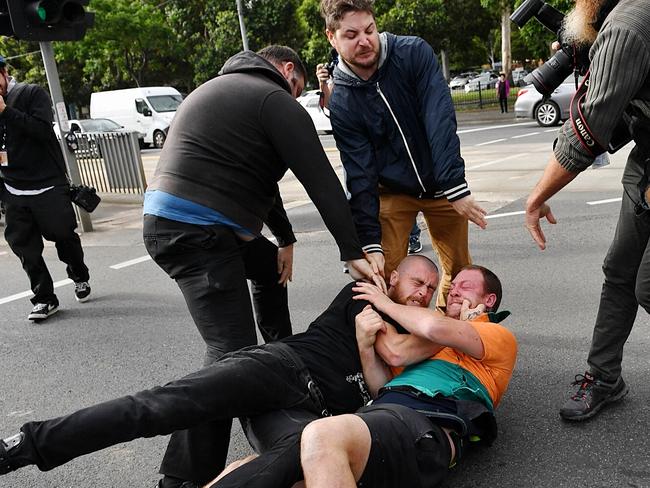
<point x="395" y="126"/>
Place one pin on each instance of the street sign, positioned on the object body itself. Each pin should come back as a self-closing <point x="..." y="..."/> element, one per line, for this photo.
<point x="45" y="20"/>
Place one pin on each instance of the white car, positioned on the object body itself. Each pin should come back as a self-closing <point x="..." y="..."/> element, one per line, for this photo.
<point x="458" y="82"/>
<point x="547" y="112"/>
<point x="311" y="101"/>
<point x="487" y="80"/>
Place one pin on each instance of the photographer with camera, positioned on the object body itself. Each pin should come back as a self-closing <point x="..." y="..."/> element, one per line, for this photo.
<point x="615" y="96"/>
<point x="37" y="193"/>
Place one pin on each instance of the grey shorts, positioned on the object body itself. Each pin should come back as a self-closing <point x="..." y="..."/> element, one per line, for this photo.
<point x="407" y="450"/>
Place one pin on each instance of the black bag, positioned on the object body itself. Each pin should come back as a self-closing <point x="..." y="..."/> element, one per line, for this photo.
<point x="85" y="197"/>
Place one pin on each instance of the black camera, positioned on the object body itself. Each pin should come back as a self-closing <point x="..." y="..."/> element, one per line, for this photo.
<point x="85" y="197"/>
<point x="331" y="64"/>
<point x="570" y="58"/>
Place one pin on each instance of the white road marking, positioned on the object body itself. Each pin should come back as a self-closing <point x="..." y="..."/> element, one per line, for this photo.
<point x="481" y="129"/>
<point x="508" y="214"/>
<point x="29" y="293"/>
<point x="525" y="135"/>
<point x="609" y="200"/>
<point x="551" y="130"/>
<point x="131" y="262"/>
<point x="490" y="142"/>
<point x="2" y="253"/>
<point x="495" y="161"/>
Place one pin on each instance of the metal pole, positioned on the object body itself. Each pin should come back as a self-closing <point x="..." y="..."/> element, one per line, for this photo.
<point x="242" y="26"/>
<point x="61" y="117"/>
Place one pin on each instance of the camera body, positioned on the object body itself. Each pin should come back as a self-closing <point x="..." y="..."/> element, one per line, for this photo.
<point x="570" y="58"/>
<point x="331" y="64"/>
<point x="85" y="197"/>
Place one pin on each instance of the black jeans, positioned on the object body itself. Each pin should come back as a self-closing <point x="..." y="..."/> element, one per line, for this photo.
<point x="626" y="286"/>
<point x="503" y="103"/>
<point x="211" y="265"/>
<point x="50" y="216"/>
<point x="252" y="382"/>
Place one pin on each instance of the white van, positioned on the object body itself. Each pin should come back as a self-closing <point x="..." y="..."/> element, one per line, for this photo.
<point x="147" y="110"/>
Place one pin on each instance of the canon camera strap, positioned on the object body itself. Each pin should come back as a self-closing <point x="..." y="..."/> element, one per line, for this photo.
<point x="620" y="135"/>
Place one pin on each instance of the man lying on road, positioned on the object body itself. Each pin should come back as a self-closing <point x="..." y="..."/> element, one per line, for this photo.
<point x="281" y="386"/>
<point x="416" y="429"/>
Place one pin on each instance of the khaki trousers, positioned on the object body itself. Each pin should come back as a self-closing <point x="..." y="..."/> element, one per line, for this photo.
<point x="447" y="228"/>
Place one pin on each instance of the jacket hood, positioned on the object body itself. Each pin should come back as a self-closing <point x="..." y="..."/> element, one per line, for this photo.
<point x="344" y="75"/>
<point x="251" y="62"/>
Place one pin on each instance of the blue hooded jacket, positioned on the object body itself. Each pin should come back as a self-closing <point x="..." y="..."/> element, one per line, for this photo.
<point x="396" y="131"/>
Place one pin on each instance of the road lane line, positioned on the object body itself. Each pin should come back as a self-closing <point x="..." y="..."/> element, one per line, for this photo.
<point x="489" y="142"/>
<point x="508" y="214"/>
<point x="551" y="130"/>
<point x="481" y="129"/>
<point x="131" y="262"/>
<point x="29" y="293"/>
<point x="609" y="200"/>
<point x="525" y="135"/>
<point x="489" y="163"/>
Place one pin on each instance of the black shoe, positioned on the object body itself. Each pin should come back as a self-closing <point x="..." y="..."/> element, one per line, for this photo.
<point x="41" y="311"/>
<point x="82" y="291"/>
<point x="592" y="395"/>
<point x="170" y="482"/>
<point x="7" y="464"/>
<point x="415" y="246"/>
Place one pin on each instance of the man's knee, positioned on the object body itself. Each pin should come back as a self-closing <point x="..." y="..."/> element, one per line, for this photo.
<point x="317" y="439"/>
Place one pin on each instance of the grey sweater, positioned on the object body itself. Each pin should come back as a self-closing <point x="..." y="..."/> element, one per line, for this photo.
<point x="620" y="69"/>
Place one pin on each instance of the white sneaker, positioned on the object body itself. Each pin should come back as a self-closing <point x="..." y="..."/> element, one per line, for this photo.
<point x="41" y="311"/>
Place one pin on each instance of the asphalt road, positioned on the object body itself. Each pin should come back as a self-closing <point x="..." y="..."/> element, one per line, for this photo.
<point x="136" y="332"/>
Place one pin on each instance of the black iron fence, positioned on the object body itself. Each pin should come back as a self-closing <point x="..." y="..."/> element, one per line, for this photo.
<point x="479" y="97"/>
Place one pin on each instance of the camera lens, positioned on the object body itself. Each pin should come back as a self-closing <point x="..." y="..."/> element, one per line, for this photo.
<point x="552" y="73"/>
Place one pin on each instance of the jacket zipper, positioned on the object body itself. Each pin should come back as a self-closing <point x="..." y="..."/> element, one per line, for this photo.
<point x="408" y="150"/>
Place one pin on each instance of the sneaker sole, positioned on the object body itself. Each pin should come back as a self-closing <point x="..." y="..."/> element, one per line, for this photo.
<point x="82" y="300"/>
<point x="597" y="408"/>
<point x="43" y="316"/>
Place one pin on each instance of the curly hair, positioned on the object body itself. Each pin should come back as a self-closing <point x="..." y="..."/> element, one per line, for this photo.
<point x="334" y="10"/>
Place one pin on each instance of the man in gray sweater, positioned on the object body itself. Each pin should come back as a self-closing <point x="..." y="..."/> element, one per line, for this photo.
<point x="618" y="89"/>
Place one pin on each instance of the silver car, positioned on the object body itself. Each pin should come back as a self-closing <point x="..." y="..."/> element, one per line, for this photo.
<point x="530" y="103"/>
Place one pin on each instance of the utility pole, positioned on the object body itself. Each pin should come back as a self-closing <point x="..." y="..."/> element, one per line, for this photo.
<point x="242" y="26"/>
<point x="61" y="117"/>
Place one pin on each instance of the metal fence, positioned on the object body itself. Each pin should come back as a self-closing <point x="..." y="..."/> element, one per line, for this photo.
<point x="480" y="98"/>
<point x="111" y="162"/>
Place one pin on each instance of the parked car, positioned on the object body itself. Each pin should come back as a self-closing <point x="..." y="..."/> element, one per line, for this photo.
<point x="91" y="125"/>
<point x="458" y="82"/>
<point x="310" y="100"/>
<point x="487" y="80"/>
<point x="549" y="112"/>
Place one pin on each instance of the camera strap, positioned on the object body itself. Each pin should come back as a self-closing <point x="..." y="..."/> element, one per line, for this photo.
<point x="578" y="122"/>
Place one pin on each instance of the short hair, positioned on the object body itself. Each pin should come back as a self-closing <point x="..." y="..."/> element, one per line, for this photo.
<point x="334" y="10"/>
<point x="283" y="54"/>
<point x="412" y="257"/>
<point x="491" y="283"/>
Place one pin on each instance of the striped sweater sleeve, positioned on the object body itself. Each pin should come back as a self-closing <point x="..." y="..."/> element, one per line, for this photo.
<point x="619" y="69"/>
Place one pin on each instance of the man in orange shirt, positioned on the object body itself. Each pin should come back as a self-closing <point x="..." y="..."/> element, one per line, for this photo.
<point x="416" y="428"/>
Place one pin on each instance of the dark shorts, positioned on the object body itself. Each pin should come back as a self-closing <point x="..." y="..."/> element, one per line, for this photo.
<point x="407" y="449"/>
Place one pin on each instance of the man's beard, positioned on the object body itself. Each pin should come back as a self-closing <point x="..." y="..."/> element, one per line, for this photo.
<point x="578" y="24"/>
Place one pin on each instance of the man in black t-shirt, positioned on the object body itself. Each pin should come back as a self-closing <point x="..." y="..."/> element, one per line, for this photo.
<point x="280" y="386"/>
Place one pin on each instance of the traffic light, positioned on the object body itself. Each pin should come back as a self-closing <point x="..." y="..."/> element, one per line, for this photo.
<point x="45" y="20"/>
